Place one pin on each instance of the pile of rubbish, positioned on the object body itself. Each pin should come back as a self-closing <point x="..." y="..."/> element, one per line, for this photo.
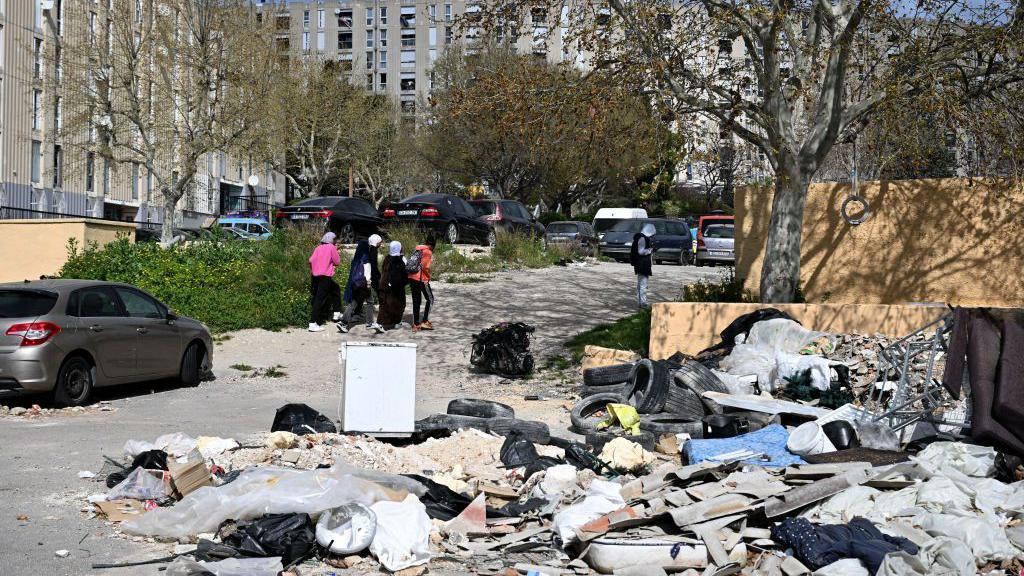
<point x="693" y="465"/>
<point x="35" y="411"/>
<point x="503" y="349"/>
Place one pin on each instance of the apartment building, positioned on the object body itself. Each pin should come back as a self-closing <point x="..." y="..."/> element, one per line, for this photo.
<point x="42" y="174"/>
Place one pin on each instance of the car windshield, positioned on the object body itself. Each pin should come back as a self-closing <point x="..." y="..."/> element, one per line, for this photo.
<point x="603" y="224"/>
<point x="25" y="303"/>
<point x="484" y="208"/>
<point x="561" y="227"/>
<point x="715" y="222"/>
<point x="718" y="231"/>
<point x="425" y="198"/>
<point x="631" y="225"/>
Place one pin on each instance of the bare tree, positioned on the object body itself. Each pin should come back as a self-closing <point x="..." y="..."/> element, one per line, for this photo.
<point x="792" y="77"/>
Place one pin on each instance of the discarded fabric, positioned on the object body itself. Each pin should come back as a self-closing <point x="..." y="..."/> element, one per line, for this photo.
<point x="769" y="441"/>
<point x="403" y="534"/>
<point x="821" y="545"/>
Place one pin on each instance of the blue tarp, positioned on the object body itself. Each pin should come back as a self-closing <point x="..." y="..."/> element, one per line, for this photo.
<point x="770" y="441"/>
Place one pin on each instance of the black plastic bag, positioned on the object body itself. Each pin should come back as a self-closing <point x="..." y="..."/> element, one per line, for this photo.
<point x="290" y="536"/>
<point x="742" y="325"/>
<point x="151" y="460"/>
<point x="443" y="503"/>
<point x="503" y="349"/>
<point x="517" y="451"/>
<point x="301" y="419"/>
<point x="583" y="459"/>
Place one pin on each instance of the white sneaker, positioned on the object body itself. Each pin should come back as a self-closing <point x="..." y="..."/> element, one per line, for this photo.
<point x="336" y="317"/>
<point x="376" y="328"/>
<point x="342" y="328"/>
<point x="315" y="327"/>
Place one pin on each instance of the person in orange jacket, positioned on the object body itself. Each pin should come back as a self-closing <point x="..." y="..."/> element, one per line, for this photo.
<point x="419" y="281"/>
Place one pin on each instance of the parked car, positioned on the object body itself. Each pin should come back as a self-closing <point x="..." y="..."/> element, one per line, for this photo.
<point x="716" y="245"/>
<point x="349" y="217"/>
<point x="608" y="217"/>
<point x="710" y="219"/>
<point x="69" y="337"/>
<point x="451" y="217"/>
<point x="252" y="226"/>
<point x="579" y="235"/>
<point x="672" y="241"/>
<point x="508" y="216"/>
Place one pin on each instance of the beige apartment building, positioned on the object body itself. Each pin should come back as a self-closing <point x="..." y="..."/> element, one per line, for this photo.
<point x="43" y="176"/>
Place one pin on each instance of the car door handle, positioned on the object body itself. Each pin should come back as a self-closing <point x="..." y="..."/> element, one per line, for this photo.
<point x="96" y="328"/>
<point x="142" y="330"/>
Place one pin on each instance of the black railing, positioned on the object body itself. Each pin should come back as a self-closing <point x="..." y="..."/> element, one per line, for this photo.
<point x="16" y="213"/>
<point x="255" y="206"/>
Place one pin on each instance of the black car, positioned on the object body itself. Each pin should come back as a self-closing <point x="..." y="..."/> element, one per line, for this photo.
<point x="348" y="217"/>
<point x="672" y="240"/>
<point x="451" y="217"/>
<point x="508" y="216"/>
<point x="578" y="235"/>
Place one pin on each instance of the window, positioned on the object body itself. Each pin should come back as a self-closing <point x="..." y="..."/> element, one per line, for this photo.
<point x="447" y="12"/>
<point x="305" y="41"/>
<point x="447" y="35"/>
<point x="92" y="28"/>
<point x="305" y="18"/>
<point x="97" y="302"/>
<point x="432" y="13"/>
<point x="135" y="181"/>
<point x="39" y="14"/>
<point x="408" y="81"/>
<point x="369" y="38"/>
<point x="320" y="19"/>
<point x="369" y="16"/>
<point x="408" y="38"/>
<point x="539" y="15"/>
<point x="37" y="58"/>
<point x="383" y="16"/>
<point x="407" y="17"/>
<point x="433" y="56"/>
<point x="37" y="112"/>
<point x="369" y="78"/>
<point x="432" y="36"/>
<point x="106" y="176"/>
<point x="409" y="107"/>
<point x="321" y="41"/>
<point x="383" y="82"/>
<point x="149" y="185"/>
<point x="37" y="151"/>
<point x="345" y="62"/>
<point x="138" y="11"/>
<point x="383" y="60"/>
<point x="110" y="37"/>
<point x="58" y="117"/>
<point x="344" y="40"/>
<point x="345" y="18"/>
<point x="90" y="171"/>
<point x="383" y="38"/>
<point x="369" y="61"/>
<point x="138" y="305"/>
<point x="408" y="57"/>
<point x="58" y="166"/>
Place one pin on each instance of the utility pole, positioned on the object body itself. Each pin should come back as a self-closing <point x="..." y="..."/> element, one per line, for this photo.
<point x="351" y="180"/>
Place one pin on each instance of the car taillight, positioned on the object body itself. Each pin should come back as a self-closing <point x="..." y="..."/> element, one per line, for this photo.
<point x="430" y="212"/>
<point x="389" y="213"/>
<point x="34" y="333"/>
<point x="496" y="217"/>
<point x="700" y="242"/>
<point x="325" y="213"/>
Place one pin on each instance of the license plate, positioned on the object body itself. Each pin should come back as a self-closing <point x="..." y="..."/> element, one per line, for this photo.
<point x="407" y="212"/>
<point x="300" y="216"/>
<point x="716" y="253"/>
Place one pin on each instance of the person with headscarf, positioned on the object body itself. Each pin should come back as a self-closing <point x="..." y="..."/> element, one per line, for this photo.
<point x="357" y="294"/>
<point x="374" y="241"/>
<point x="324" y="292"/>
<point x="392" y="287"/>
<point x="641" y="257"/>
<point x="419" y="282"/>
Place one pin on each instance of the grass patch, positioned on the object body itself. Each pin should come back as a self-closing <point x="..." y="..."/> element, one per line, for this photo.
<point x="557" y="363"/>
<point x="727" y="288"/>
<point x="241" y="367"/>
<point x="275" y="372"/>
<point x="630" y="333"/>
<point x="456" y="279"/>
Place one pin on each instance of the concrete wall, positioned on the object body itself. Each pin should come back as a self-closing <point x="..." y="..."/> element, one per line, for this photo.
<point x="32" y="248"/>
<point x="693" y="326"/>
<point x="945" y="240"/>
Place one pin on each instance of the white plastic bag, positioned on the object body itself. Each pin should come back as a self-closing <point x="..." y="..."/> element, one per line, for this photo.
<point x="602" y="497"/>
<point x="938" y="556"/>
<point x="844" y="567"/>
<point x="790" y="365"/>
<point x="734" y="384"/>
<point x="140" y="484"/>
<point x="176" y="444"/>
<point x="557" y="480"/>
<point x="760" y="353"/>
<point x="230" y="567"/>
<point x="268" y="490"/>
<point x="135" y="447"/>
<point x="212" y="446"/>
<point x="969" y="459"/>
<point x="987" y="540"/>
<point x="403" y="534"/>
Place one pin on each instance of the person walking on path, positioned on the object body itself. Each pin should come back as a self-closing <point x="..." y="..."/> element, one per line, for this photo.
<point x="357" y="290"/>
<point x="419" y="279"/>
<point x="392" y="287"/>
<point x="324" y="292"/>
<point x="641" y="256"/>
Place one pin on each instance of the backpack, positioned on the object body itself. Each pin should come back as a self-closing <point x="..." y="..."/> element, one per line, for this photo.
<point x="412" y="265"/>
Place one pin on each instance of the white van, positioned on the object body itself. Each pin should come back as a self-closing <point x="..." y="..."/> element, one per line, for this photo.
<point x="607" y="217"/>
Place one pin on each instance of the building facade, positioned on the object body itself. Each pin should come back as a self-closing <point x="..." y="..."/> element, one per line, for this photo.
<point x="43" y="176"/>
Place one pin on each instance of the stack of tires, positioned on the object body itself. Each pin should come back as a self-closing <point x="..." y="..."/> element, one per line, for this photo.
<point x="484" y="415"/>
<point x="667" y="395"/>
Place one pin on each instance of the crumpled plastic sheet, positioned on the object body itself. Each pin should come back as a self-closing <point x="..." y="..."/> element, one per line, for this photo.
<point x="941" y="555"/>
<point x="876" y="505"/>
<point x="770" y="441"/>
<point x="602" y="497"/>
<point x="766" y="341"/>
<point x="213" y="446"/>
<point x="140" y="484"/>
<point x="733" y="383"/>
<point x="968" y="459"/>
<point x="940" y="494"/>
<point x="844" y="567"/>
<point x="403" y="534"/>
<point x="175" y="444"/>
<point x="269" y="490"/>
<point x="230" y="567"/>
<point x="987" y="541"/>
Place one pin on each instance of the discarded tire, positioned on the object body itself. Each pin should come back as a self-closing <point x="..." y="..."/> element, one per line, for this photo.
<point x="582" y="414"/>
<point x="651" y="381"/>
<point x="696" y="377"/>
<point x="682" y="402"/>
<point x="480" y="408"/>
<point x="620" y="389"/>
<point x="536" y="432"/>
<point x="597" y="440"/>
<point x="661" y="424"/>
<point x="449" y="423"/>
<point x="608" y="375"/>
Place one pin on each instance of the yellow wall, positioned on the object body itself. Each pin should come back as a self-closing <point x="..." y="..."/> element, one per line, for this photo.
<point x="32" y="248"/>
<point x="693" y="326"/>
<point x="926" y="241"/>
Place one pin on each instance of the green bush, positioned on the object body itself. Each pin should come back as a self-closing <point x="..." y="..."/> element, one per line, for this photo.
<point x="228" y="285"/>
<point x="728" y="288"/>
<point x="630" y="333"/>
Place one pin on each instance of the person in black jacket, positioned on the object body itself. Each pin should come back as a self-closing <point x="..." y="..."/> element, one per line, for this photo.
<point x="391" y="288"/>
<point x="641" y="256"/>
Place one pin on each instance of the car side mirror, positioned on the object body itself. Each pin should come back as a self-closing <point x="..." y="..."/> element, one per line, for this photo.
<point x="171" y="317"/>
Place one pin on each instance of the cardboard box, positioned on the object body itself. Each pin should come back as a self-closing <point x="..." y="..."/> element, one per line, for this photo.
<point x="187" y="477"/>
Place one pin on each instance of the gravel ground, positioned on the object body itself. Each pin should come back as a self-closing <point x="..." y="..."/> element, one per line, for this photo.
<point x="41" y="497"/>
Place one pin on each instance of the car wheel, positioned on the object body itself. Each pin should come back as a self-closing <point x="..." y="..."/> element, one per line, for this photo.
<point x="685" y="257"/>
<point x="75" y="382"/>
<point x="193" y="364"/>
<point x="453" y="233"/>
<point x="347" y="234"/>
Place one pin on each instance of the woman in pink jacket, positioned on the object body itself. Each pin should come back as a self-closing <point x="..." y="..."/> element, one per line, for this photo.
<point x="324" y="292"/>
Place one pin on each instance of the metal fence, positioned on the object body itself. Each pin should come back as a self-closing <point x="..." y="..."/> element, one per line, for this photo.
<point x="16" y="213"/>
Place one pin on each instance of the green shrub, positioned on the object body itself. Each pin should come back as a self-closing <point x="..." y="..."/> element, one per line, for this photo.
<point x="630" y="333"/>
<point x="727" y="288"/>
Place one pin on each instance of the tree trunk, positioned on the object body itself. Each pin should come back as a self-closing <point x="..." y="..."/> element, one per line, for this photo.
<point x="167" y="229"/>
<point x="780" y="274"/>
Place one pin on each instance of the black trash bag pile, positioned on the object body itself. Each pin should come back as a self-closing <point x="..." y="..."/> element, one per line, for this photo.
<point x="290" y="536"/>
<point x="517" y="451"/>
<point x="503" y="349"/>
<point x="301" y="419"/>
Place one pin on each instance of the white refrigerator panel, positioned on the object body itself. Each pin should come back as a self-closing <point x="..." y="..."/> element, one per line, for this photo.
<point x="378" y="394"/>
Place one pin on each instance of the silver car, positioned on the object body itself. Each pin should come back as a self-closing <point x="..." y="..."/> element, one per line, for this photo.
<point x="717" y="245"/>
<point x="71" y="336"/>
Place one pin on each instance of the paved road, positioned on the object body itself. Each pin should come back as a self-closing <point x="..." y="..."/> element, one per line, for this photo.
<point x="40" y="458"/>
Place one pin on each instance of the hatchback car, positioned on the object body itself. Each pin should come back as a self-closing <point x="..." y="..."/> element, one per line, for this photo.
<point x="717" y="245"/>
<point x="508" y="216"/>
<point x="451" y="217"/>
<point x="348" y="217"/>
<point x="69" y="337"/>
<point x="579" y="235"/>
<point x="672" y="241"/>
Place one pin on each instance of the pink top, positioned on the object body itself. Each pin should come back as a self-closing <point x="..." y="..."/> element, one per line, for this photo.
<point x="324" y="259"/>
